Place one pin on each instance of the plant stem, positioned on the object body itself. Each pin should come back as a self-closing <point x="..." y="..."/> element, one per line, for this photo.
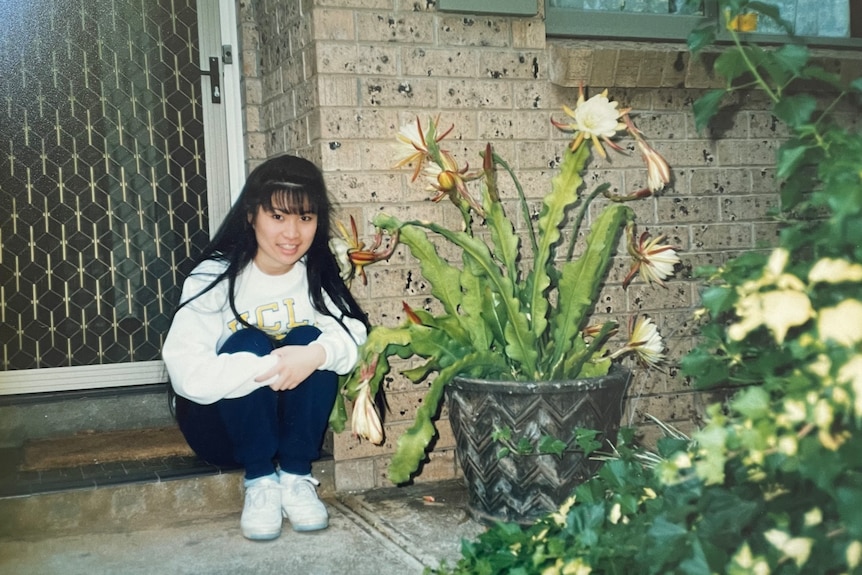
<point x="522" y="200"/>
<point x="580" y="218"/>
<point x="752" y="68"/>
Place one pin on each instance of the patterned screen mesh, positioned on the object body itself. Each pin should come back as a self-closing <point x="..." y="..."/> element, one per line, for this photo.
<point x="102" y="189"/>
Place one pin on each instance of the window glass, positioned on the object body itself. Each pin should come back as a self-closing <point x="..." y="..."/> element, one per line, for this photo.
<point x="824" y="18"/>
<point x="642" y="6"/>
<point x="834" y="22"/>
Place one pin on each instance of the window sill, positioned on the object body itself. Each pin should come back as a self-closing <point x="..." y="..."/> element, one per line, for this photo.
<point x="657" y="65"/>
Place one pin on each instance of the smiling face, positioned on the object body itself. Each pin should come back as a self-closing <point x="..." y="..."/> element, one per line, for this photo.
<point x="284" y="233"/>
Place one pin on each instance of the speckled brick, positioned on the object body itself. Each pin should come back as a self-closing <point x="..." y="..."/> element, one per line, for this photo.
<point x="346" y="446"/>
<point x="536" y="96"/>
<point x="647" y="382"/>
<point x="691" y="261"/>
<point x="354" y="475"/>
<point x="766" y="125"/>
<point x="674" y="68"/>
<point x="363" y="187"/>
<point x="612" y="300"/>
<point x="470" y="30"/>
<point x="603" y="67"/>
<point x="398" y="92"/>
<point x="643" y="298"/>
<point x="666" y="407"/>
<point x="332" y="24"/>
<point x="570" y="66"/>
<point x="650" y="69"/>
<point x="627" y="68"/>
<point x="720" y="181"/>
<point x="518" y="65"/>
<point x="528" y="34"/>
<point x="406" y="27"/>
<point x="742" y="208"/>
<point x="341" y="155"/>
<point x="699" y="73"/>
<point x="766" y="233"/>
<point x="340" y="123"/>
<point x="722" y="236"/>
<point x="475" y="93"/>
<point x="750" y="152"/>
<point x="687" y="209"/>
<point x="436" y="62"/>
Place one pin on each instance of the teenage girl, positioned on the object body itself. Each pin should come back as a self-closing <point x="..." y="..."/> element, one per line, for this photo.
<point x="263" y="327"/>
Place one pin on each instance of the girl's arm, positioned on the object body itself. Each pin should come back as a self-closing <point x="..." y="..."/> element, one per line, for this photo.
<point x="196" y="371"/>
<point x="342" y="348"/>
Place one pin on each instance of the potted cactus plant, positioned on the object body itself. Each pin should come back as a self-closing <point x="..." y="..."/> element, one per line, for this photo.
<point x="513" y="315"/>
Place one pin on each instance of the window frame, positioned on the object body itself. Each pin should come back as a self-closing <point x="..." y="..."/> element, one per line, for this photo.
<point x="507" y="7"/>
<point x="564" y="22"/>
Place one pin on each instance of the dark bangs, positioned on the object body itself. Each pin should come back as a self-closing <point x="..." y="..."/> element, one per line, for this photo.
<point x="289" y="198"/>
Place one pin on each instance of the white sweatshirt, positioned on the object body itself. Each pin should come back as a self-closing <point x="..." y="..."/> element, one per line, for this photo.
<point x="274" y="304"/>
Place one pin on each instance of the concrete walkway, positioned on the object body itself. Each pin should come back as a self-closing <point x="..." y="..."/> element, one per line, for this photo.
<point x="393" y="531"/>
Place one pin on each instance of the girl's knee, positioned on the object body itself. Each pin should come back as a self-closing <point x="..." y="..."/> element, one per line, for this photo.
<point x="302" y="335"/>
<point x="250" y="340"/>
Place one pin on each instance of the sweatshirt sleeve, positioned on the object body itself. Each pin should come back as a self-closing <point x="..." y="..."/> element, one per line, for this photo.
<point x="342" y="348"/>
<point x="196" y="371"/>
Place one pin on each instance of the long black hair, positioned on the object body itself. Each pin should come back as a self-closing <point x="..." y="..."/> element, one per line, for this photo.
<point x="294" y="185"/>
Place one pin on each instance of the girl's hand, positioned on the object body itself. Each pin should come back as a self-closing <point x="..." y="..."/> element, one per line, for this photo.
<point x="295" y="364"/>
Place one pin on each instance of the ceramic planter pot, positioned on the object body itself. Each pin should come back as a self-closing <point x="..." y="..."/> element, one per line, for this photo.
<point x="518" y="487"/>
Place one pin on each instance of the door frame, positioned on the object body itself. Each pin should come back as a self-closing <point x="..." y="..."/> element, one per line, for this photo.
<point x="225" y="176"/>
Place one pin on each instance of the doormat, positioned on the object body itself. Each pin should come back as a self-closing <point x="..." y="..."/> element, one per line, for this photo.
<point x="90" y="448"/>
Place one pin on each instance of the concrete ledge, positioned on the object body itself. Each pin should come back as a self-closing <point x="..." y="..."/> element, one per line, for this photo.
<point x="118" y="508"/>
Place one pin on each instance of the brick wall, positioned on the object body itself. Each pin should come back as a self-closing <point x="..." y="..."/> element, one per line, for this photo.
<point x="333" y="80"/>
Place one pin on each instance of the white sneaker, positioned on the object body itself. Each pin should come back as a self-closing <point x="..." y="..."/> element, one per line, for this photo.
<point x="300" y="503"/>
<point x="261" y="514"/>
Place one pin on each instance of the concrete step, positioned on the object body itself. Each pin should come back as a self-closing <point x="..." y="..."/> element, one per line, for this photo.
<point x="47" y="415"/>
<point x="93" y="482"/>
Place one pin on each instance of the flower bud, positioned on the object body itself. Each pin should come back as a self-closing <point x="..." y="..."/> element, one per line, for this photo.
<point x="366" y="421"/>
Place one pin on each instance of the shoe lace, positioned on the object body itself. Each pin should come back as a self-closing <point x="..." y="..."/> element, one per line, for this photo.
<point x="304" y="488"/>
<point x="258" y="494"/>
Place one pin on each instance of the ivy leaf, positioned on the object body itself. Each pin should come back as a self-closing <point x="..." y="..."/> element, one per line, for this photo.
<point x="586" y="440"/>
<point x="706" y="107"/>
<point x="524" y="446"/>
<point x="790" y="156"/>
<point x="753" y="402"/>
<point x="794" y="57"/>
<point x="730" y="65"/>
<point x="718" y="299"/>
<point x="548" y="444"/>
<point x="705" y="367"/>
<point x="818" y="73"/>
<point x="617" y="473"/>
<point x="849" y="503"/>
<point x="857" y="84"/>
<point x="711" y="440"/>
<point x="502" y="433"/>
<point x="700" y="38"/>
<point x="666" y="539"/>
<point x="667" y="446"/>
<point x="793" y="191"/>
<point x="696" y="563"/>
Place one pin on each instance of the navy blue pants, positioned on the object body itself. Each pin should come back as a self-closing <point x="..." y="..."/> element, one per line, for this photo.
<point x="264" y="426"/>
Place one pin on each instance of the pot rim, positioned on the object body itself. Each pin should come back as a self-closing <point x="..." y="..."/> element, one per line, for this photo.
<point x="618" y="375"/>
